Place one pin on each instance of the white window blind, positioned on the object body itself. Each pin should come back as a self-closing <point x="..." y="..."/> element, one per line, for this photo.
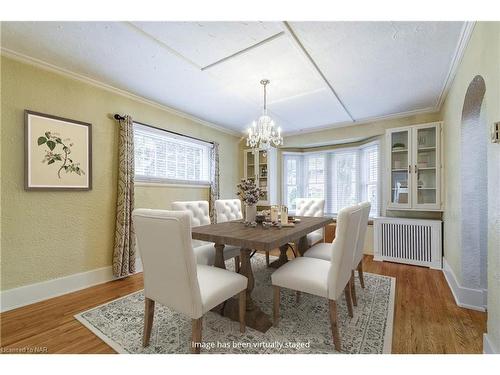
<point x="161" y="156"/>
<point x="342" y="177"/>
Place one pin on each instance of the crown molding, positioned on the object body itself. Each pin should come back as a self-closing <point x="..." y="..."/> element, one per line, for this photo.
<point x="82" y="78"/>
<point x="366" y="120"/>
<point x="465" y="36"/>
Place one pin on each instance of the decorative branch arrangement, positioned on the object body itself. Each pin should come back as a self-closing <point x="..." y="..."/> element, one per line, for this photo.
<point x="52" y="140"/>
<point x="249" y="192"/>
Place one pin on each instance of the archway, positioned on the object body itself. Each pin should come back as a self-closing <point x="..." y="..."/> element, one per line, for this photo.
<point x="474" y="187"/>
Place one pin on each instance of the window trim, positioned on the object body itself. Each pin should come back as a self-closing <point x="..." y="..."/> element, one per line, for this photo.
<point x="141" y="180"/>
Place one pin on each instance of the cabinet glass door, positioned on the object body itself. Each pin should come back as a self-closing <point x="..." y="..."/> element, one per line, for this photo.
<point x="250" y="165"/>
<point x="426" y="164"/>
<point x="263" y="174"/>
<point x="400" y="162"/>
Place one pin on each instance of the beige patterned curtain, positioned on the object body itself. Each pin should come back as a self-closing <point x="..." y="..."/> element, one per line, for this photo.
<point x="214" y="180"/>
<point x="124" y="250"/>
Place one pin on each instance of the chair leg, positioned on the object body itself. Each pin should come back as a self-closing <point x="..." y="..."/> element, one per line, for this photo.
<point x="297" y="297"/>
<point x="360" y="273"/>
<point x="276" y="305"/>
<point x="236" y="264"/>
<point x="348" y="299"/>
<point x="149" y="312"/>
<point x="267" y="258"/>
<point x="196" y="335"/>
<point x="334" y="325"/>
<point x="353" y="290"/>
<point x="242" y="308"/>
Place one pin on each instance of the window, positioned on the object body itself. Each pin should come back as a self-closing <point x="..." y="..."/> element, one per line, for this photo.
<point x="292" y="180"/>
<point x="343" y="190"/>
<point x="315" y="180"/>
<point x="370" y="176"/>
<point x="342" y="177"/>
<point x="162" y="156"/>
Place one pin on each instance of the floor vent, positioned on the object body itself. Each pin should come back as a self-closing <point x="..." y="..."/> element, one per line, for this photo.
<point x="410" y="241"/>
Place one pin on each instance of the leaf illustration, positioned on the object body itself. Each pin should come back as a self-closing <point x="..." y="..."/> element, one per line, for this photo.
<point x="51" y="145"/>
<point x="52" y="141"/>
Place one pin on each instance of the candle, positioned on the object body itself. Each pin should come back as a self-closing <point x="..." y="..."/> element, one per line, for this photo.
<point x="284" y="215"/>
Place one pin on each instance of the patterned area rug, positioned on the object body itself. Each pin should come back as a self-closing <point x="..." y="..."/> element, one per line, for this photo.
<point x="304" y="327"/>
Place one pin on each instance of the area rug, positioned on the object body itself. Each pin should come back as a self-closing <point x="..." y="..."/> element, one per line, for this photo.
<point x="304" y="327"/>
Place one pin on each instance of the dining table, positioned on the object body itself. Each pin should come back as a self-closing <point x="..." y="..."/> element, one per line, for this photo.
<point x="250" y="239"/>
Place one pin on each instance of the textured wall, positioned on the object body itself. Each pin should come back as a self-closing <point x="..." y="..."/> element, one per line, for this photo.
<point x="46" y="235"/>
<point x="482" y="57"/>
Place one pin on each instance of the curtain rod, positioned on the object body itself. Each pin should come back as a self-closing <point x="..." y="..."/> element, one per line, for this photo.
<point x="120" y="117"/>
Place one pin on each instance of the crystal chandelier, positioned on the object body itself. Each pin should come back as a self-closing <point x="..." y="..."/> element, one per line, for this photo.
<point x="263" y="133"/>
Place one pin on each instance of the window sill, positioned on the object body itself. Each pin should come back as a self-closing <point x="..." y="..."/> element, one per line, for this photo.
<point x="172" y="185"/>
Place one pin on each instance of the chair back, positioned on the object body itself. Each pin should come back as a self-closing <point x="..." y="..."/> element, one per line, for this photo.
<point x="200" y="214"/>
<point x="169" y="265"/>
<point x="343" y="249"/>
<point x="314" y="207"/>
<point x="310" y="207"/>
<point x="363" y="225"/>
<point x="228" y="210"/>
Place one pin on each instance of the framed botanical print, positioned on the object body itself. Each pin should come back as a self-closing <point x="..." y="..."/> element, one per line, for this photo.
<point x="58" y="153"/>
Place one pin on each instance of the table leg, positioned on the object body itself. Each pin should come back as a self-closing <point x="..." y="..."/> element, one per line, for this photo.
<point x="254" y="316"/>
<point x="219" y="256"/>
<point x="282" y="259"/>
<point x="302" y="245"/>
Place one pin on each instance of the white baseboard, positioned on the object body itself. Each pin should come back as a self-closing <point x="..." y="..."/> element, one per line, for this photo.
<point x="474" y="299"/>
<point x="488" y="347"/>
<point x="28" y="294"/>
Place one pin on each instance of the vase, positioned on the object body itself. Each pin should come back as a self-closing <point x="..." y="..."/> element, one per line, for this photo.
<point x="250" y="213"/>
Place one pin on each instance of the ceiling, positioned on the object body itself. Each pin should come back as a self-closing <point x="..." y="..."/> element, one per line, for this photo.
<point x="323" y="74"/>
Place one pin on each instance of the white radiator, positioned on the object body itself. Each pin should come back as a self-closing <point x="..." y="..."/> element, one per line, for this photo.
<point x="410" y="241"/>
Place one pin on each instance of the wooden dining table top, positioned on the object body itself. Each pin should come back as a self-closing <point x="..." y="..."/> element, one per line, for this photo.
<point x="237" y="234"/>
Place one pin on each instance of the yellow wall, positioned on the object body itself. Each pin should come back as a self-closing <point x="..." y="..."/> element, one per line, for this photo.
<point x="53" y="234"/>
<point x="482" y="57"/>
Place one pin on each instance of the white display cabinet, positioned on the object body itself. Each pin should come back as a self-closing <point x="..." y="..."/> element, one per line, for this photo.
<point x="413" y="168"/>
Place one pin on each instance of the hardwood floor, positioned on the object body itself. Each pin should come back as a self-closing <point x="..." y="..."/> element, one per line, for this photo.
<point x="426" y="319"/>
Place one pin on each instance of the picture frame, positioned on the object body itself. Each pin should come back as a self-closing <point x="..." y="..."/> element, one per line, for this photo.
<point x="57" y="153"/>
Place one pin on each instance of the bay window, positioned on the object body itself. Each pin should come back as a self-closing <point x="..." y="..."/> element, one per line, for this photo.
<point x="343" y="177"/>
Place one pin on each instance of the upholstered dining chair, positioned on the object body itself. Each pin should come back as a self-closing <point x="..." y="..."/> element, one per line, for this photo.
<point x="172" y="277"/>
<point x="205" y="252"/>
<point x="322" y="251"/>
<point x="320" y="277"/>
<point x="312" y="207"/>
<point x="228" y="210"/>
